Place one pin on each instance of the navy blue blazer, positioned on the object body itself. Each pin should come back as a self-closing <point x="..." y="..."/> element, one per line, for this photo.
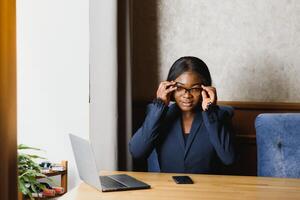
<point x="161" y="136"/>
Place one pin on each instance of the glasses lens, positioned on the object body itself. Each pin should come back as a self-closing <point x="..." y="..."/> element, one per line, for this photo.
<point x="195" y="91"/>
<point x="180" y="90"/>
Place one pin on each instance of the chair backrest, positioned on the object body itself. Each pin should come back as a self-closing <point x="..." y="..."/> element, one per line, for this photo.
<point x="152" y="161"/>
<point x="278" y="145"/>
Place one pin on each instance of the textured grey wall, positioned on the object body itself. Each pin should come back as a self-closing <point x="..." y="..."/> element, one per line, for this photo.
<point x="251" y="46"/>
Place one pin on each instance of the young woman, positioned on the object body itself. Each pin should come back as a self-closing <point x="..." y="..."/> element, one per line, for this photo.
<point x="192" y="135"/>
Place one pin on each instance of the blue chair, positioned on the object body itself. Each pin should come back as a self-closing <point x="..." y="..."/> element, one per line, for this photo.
<point x="152" y="161"/>
<point x="278" y="145"/>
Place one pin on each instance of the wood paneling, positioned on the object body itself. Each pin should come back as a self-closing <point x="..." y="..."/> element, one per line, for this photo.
<point x="244" y="129"/>
<point x="8" y="169"/>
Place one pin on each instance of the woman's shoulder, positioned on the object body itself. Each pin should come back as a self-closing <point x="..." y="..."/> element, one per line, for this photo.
<point x="224" y="112"/>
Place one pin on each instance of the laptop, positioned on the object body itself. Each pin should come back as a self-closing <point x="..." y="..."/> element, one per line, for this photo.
<point x="88" y="172"/>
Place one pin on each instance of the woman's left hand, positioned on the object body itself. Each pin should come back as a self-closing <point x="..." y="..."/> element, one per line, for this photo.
<point x="209" y="97"/>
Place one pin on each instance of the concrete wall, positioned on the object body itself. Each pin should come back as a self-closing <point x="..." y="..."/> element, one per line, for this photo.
<point x="251" y="46"/>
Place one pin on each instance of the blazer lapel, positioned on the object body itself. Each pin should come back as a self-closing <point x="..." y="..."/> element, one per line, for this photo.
<point x="178" y="129"/>
<point x="197" y="122"/>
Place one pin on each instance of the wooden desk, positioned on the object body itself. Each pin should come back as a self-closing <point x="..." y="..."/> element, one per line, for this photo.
<point x="205" y="187"/>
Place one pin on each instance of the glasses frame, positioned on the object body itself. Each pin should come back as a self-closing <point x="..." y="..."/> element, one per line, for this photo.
<point x="189" y="90"/>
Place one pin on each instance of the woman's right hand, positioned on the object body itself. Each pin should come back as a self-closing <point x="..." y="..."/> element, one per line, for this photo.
<point x="165" y="90"/>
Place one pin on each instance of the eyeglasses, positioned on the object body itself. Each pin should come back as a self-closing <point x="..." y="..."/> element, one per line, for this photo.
<point x="193" y="91"/>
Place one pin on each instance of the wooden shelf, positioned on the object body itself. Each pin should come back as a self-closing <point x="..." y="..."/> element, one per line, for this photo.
<point x="55" y="173"/>
<point x="63" y="182"/>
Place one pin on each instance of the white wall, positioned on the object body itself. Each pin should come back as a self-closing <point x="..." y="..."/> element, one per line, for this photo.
<point x="103" y="81"/>
<point x="53" y="76"/>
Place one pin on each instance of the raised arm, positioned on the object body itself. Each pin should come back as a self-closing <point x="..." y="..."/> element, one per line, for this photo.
<point x="142" y="142"/>
<point x="217" y="122"/>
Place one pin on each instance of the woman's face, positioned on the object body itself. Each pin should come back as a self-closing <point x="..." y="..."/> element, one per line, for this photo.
<point x="188" y="93"/>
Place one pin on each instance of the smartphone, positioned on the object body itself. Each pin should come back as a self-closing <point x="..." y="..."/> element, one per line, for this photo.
<point x="182" y="179"/>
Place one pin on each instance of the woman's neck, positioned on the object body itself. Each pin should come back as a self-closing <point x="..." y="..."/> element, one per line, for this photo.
<point x="188" y="115"/>
<point x="187" y="120"/>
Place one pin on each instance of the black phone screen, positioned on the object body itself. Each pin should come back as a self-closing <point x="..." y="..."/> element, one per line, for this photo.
<point x="182" y="179"/>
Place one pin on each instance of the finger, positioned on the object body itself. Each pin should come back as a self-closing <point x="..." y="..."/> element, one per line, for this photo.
<point x="207" y="88"/>
<point x="204" y="87"/>
<point x="211" y="95"/>
<point x="163" y="84"/>
<point x="171" y="89"/>
<point x="204" y="94"/>
<point x="161" y="88"/>
<point x="211" y="91"/>
<point x="167" y="84"/>
<point x="204" y="105"/>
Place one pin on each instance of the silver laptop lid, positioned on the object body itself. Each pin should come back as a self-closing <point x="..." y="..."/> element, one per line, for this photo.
<point x="85" y="161"/>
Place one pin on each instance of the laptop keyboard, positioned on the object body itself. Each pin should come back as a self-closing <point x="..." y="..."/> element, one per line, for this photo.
<point x="108" y="182"/>
<point x="127" y="180"/>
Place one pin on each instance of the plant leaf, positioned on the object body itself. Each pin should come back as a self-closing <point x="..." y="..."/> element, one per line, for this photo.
<point x="35" y="156"/>
<point x="22" y="188"/>
<point x="29" y="172"/>
<point x="34" y="189"/>
<point x="23" y="146"/>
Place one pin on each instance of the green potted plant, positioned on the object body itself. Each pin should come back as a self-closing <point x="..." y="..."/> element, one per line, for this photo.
<point x="28" y="172"/>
